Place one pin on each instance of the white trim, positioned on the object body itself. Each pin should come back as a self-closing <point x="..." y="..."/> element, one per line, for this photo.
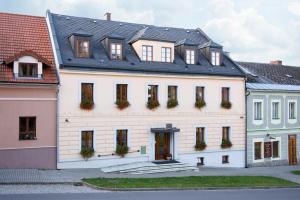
<point x="20" y="148"/>
<point x="279" y="148"/>
<point x="254" y="140"/>
<point x="276" y="121"/>
<point x="292" y="121"/>
<point x="28" y="99"/>
<point x="65" y="71"/>
<point x="255" y="121"/>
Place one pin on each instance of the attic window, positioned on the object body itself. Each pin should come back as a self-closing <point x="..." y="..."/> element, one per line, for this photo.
<point x="289" y="76"/>
<point x="215" y="58"/>
<point x="83" y="47"/>
<point x="116" y="51"/>
<point x="190" y="56"/>
<point x="28" y="70"/>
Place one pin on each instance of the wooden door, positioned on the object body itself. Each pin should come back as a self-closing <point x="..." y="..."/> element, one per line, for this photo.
<point x="162" y="145"/>
<point x="292" y="149"/>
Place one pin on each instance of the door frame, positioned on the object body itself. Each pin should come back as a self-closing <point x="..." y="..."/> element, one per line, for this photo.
<point x="292" y="160"/>
<point x="166" y="144"/>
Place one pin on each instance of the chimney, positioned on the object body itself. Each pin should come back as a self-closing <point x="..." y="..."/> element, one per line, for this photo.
<point x="108" y="16"/>
<point x="276" y="62"/>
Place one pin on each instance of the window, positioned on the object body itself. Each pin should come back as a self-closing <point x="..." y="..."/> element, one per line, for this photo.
<point x="199" y="93"/>
<point x="190" y="57"/>
<point x="147" y="53"/>
<point x="87" y="92"/>
<point x="257" y="110"/>
<point x="165" y="54"/>
<point x="83" y="48"/>
<point x="275" y="110"/>
<point x="121" y="92"/>
<point x="27" y="128"/>
<point x="275" y="149"/>
<point x="28" y="70"/>
<point x="152" y="93"/>
<point x="87" y="140"/>
<point x="225" y="94"/>
<point x="225" y="133"/>
<point x="225" y="159"/>
<point x="122" y="137"/>
<point x="172" y="93"/>
<point x="200" y="135"/>
<point x="257" y="150"/>
<point x="215" y="58"/>
<point x="116" y="51"/>
<point x="292" y="110"/>
<point x="200" y="161"/>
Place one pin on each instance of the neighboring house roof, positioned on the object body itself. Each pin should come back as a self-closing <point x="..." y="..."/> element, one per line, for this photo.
<point x="265" y="73"/>
<point x="277" y="87"/>
<point x="62" y="26"/>
<point x="22" y="35"/>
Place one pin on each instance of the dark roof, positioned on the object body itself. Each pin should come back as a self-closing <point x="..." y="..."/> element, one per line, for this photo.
<point x="271" y="73"/>
<point x="210" y="44"/>
<point x="22" y="35"/>
<point x="63" y="26"/>
<point x="186" y="42"/>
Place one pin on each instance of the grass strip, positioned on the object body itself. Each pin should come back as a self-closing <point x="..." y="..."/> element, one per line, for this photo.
<point x="296" y="172"/>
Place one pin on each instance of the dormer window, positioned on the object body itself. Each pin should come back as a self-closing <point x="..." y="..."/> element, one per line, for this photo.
<point x="116" y="51"/>
<point x="190" y="56"/>
<point x="147" y="53"/>
<point x="215" y="58"/>
<point x="83" y="48"/>
<point x="28" y="70"/>
<point x="165" y="54"/>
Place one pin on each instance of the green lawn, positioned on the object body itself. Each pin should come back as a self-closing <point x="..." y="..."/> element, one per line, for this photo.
<point x="296" y="172"/>
<point x="189" y="182"/>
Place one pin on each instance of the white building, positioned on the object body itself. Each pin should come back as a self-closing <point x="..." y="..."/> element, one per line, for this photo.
<point x="156" y="75"/>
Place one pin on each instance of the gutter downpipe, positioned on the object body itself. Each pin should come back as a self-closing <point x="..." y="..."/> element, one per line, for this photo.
<point x="247" y="93"/>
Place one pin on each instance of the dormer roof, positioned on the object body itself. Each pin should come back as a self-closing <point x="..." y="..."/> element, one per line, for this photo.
<point x="113" y="36"/>
<point x="211" y="44"/>
<point x="27" y="53"/>
<point x="187" y="42"/>
<point x="82" y="33"/>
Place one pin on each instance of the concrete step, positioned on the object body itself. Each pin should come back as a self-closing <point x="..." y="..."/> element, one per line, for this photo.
<point x="161" y="167"/>
<point x="117" y="168"/>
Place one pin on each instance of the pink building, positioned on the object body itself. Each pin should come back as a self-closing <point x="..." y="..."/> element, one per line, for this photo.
<point x="28" y="93"/>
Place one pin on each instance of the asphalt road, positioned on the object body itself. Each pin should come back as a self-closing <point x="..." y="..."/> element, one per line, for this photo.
<point x="257" y="194"/>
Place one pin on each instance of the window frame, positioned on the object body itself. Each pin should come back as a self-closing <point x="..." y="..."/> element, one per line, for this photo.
<point x="164" y="55"/>
<point x="203" y="134"/>
<point x="78" y="53"/>
<point x="276" y="139"/>
<point x="116" y="44"/>
<point x="276" y="120"/>
<point x="188" y="57"/>
<point x="203" y="93"/>
<point x="228" y="133"/>
<point x="93" y="90"/>
<point x="27" y="66"/>
<point x="225" y="161"/>
<point x="169" y="94"/>
<point x="223" y="94"/>
<point x="27" y="131"/>
<point x="258" y="121"/>
<point x="147" y="52"/>
<point x="116" y="136"/>
<point x="121" y="94"/>
<point x="157" y="92"/>
<point x="93" y="138"/>
<point x="214" y="55"/>
<point x="292" y="120"/>
<point x="255" y="140"/>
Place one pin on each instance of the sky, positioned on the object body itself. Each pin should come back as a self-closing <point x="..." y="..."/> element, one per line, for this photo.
<point x="251" y="30"/>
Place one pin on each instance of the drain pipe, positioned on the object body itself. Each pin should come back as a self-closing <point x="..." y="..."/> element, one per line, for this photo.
<point x="246" y="125"/>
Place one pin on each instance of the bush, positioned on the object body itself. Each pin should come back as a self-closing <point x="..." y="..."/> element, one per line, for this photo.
<point x="87" y="104"/>
<point x="87" y="152"/>
<point x="200" y="146"/>
<point x="122" y="150"/>
<point x="122" y="104"/>
<point x="226" y="104"/>
<point x="226" y="144"/>
<point x="200" y="104"/>
<point x="152" y="104"/>
<point x="172" y="103"/>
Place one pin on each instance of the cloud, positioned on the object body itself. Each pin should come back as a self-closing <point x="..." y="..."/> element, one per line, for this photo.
<point x="294" y="8"/>
<point x="247" y="33"/>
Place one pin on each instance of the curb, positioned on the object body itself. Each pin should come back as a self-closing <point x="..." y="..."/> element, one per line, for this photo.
<point x="42" y="183"/>
<point x="192" y="188"/>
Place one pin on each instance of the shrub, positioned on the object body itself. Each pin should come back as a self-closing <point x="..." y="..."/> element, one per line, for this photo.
<point x="226" y="144"/>
<point x="122" y="150"/>
<point x="152" y="104"/>
<point x="199" y="146"/>
<point x="172" y="103"/>
<point x="87" y="152"/>
<point x="87" y="104"/>
<point x="200" y="104"/>
<point x="226" y="104"/>
<point x="122" y="104"/>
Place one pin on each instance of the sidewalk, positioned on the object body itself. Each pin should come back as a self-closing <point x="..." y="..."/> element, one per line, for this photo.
<point x="35" y="176"/>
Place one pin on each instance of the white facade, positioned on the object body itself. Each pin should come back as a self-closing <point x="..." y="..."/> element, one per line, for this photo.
<point x="106" y="118"/>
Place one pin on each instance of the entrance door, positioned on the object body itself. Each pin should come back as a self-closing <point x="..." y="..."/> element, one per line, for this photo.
<point x="292" y="150"/>
<point x="162" y="145"/>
